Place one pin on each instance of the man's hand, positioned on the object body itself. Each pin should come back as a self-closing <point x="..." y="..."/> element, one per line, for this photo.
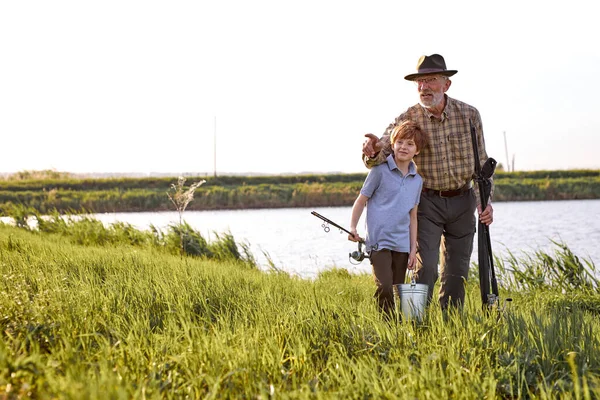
<point x="487" y="216"/>
<point x="372" y="145"/>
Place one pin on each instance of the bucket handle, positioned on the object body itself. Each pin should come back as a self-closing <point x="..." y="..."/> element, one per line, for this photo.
<point x="413" y="281"/>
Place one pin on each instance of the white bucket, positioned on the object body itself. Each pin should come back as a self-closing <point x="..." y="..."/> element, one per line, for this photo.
<point x="411" y="299"/>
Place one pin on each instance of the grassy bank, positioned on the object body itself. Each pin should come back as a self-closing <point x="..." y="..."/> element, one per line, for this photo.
<point x="239" y="192"/>
<point x="120" y="319"/>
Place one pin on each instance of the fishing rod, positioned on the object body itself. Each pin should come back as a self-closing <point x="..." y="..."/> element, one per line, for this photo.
<point x="487" y="275"/>
<point x="358" y="255"/>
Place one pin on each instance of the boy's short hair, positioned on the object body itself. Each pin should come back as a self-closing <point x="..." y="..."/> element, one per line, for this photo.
<point x="409" y="130"/>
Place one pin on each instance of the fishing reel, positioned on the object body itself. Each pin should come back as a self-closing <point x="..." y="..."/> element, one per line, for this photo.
<point x="359" y="254"/>
<point x="488" y="168"/>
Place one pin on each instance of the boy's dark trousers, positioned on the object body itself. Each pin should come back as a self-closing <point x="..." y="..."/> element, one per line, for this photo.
<point x="389" y="269"/>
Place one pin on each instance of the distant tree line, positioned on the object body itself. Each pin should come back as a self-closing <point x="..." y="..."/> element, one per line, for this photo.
<point x="68" y="194"/>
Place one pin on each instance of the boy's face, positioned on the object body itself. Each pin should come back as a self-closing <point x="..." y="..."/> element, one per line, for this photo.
<point x="405" y="149"/>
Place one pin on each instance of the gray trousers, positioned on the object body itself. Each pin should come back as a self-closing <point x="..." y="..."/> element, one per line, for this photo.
<point x="446" y="224"/>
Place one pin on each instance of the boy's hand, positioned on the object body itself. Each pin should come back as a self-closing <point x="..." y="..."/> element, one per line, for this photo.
<point x="412" y="260"/>
<point x="353" y="237"/>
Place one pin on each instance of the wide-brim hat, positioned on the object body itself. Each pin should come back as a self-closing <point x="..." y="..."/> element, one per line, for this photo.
<point x="431" y="65"/>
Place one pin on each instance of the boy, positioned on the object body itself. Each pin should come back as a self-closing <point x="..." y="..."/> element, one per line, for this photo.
<point x="391" y="193"/>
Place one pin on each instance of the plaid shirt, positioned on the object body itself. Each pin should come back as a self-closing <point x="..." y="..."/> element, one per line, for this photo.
<point x="447" y="162"/>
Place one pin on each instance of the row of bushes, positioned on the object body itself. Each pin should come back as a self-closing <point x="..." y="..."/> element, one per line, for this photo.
<point x="130" y="198"/>
<point x="546" y="189"/>
<point x="161" y="183"/>
<point x="151" y="183"/>
<point x="207" y="198"/>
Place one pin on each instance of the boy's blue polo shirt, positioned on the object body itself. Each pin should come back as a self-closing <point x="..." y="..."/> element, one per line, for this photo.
<point x="391" y="197"/>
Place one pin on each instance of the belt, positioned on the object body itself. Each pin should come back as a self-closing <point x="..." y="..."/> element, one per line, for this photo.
<point x="447" y="193"/>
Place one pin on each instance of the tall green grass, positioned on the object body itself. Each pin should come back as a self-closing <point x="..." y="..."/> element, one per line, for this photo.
<point x="178" y="238"/>
<point x="562" y="270"/>
<point x="118" y="320"/>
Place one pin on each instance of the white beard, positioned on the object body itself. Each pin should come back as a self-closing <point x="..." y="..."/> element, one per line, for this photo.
<point x="437" y="99"/>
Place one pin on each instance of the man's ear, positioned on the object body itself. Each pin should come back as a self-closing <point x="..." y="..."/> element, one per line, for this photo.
<point x="448" y="84"/>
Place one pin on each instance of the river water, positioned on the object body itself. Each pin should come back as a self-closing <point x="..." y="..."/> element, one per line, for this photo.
<point x="296" y="242"/>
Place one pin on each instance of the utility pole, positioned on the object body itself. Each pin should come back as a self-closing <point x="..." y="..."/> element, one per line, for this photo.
<point x="215" y="148"/>
<point x="506" y="151"/>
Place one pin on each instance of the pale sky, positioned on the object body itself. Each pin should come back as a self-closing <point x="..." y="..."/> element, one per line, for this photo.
<point x="136" y="86"/>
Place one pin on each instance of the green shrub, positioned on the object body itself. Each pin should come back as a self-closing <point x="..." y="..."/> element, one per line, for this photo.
<point x="562" y="270"/>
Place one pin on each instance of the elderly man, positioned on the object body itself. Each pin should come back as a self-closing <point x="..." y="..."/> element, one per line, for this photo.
<point x="446" y="214"/>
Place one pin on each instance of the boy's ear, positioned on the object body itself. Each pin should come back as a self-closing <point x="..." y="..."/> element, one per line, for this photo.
<point x="417" y="152"/>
